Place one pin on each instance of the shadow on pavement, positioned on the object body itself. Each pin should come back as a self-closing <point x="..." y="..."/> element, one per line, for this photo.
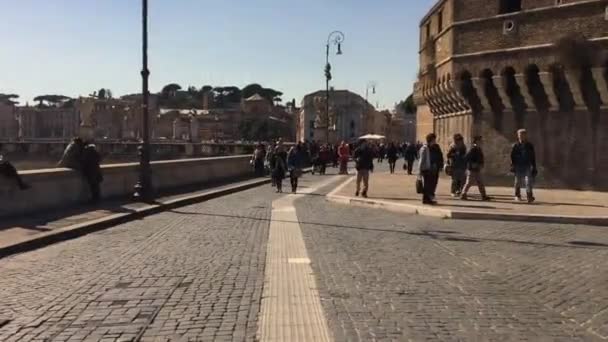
<point x="431" y="234"/>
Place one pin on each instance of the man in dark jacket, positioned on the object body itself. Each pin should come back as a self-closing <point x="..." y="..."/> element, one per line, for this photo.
<point x="474" y="163"/>
<point x="523" y="165"/>
<point x="411" y="153"/>
<point x="431" y="163"/>
<point x="364" y="159"/>
<point x="91" y="170"/>
<point x="457" y="164"/>
<point x="437" y="164"/>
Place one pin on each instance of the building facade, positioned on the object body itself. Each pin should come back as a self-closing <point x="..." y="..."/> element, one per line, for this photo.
<point x="48" y="123"/>
<point x="350" y="117"/>
<point x="490" y="67"/>
<point x="9" y="126"/>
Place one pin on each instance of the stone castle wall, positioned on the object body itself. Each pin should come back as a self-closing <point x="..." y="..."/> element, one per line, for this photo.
<point x="495" y="81"/>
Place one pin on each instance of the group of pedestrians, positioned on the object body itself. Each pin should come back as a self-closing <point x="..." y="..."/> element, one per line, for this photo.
<point x="465" y="167"/>
<point x="281" y="163"/>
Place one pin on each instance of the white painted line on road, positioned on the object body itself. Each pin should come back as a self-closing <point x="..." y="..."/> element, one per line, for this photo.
<point x="340" y="187"/>
<point x="291" y="305"/>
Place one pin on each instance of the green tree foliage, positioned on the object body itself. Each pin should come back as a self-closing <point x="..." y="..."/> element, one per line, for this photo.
<point x="268" y="93"/>
<point x="170" y="90"/>
<point x="45" y="101"/>
<point x="407" y="106"/>
<point x="9" y="99"/>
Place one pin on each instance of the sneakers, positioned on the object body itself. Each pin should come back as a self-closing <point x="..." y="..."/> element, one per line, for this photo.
<point x="364" y="195"/>
<point x="486" y="198"/>
<point x="454" y="195"/>
<point x="518" y="199"/>
<point x="464" y="197"/>
<point x="357" y="194"/>
<point x="531" y="199"/>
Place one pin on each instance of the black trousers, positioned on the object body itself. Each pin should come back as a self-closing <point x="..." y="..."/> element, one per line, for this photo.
<point x="410" y="165"/>
<point x="430" y="180"/>
<point x="294" y="181"/>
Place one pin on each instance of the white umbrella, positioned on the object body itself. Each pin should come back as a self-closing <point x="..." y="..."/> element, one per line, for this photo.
<point x="372" y="137"/>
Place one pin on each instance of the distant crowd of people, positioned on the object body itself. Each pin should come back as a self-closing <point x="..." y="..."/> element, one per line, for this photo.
<point x="464" y="165"/>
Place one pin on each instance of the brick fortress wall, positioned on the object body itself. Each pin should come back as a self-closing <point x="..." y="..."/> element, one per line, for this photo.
<point x="491" y="79"/>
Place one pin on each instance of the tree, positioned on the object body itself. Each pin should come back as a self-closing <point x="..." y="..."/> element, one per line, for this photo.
<point x="51" y="100"/>
<point x="170" y="89"/>
<point x="206" y="89"/>
<point x="9" y="99"/>
<point x="101" y="94"/>
<point x="251" y="90"/>
<point x="408" y="106"/>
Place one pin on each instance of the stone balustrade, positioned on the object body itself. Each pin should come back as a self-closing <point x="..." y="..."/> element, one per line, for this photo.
<point x="61" y="188"/>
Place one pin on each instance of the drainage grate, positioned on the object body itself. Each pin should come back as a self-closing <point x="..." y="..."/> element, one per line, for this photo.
<point x="123" y="285"/>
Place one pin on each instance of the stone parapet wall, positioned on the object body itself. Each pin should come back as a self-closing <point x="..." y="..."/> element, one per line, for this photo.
<point x="61" y="188"/>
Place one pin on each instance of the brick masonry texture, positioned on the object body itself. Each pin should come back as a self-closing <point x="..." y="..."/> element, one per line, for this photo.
<point x="473" y="46"/>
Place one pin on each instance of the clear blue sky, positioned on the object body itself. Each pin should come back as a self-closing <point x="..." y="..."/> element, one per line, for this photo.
<point x="73" y="47"/>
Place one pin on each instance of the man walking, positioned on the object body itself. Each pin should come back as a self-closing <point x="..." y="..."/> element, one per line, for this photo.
<point x="411" y="152"/>
<point x="364" y="159"/>
<point x="431" y="161"/>
<point x="457" y="164"/>
<point x="523" y="165"/>
<point x="474" y="164"/>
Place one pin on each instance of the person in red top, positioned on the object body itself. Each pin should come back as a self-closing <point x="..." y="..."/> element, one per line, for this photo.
<point x="324" y="158"/>
<point x="343" y="154"/>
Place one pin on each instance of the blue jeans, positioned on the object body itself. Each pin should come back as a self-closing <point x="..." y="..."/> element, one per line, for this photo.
<point x="524" y="177"/>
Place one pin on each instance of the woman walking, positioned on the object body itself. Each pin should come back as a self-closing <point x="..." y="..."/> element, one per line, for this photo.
<point x="391" y="155"/>
<point x="344" y="155"/>
<point x="295" y="160"/>
<point x="279" y="167"/>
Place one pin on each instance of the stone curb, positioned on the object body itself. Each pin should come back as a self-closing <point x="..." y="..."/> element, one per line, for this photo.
<point x="80" y="229"/>
<point x="466" y="215"/>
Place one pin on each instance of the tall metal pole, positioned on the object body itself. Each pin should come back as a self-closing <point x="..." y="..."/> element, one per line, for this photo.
<point x="335" y="37"/>
<point x="327" y="77"/>
<point x="143" y="189"/>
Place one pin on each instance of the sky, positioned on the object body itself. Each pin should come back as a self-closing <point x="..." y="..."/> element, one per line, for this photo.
<point x="74" y="47"/>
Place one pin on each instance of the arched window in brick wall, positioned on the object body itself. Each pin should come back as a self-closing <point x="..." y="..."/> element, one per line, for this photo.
<point x="509" y="6"/>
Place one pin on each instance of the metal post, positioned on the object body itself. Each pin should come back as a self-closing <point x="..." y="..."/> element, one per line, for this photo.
<point x="335" y="37"/>
<point x="143" y="189"/>
<point x="327" y="95"/>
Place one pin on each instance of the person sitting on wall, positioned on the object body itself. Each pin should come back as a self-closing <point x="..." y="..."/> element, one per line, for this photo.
<point x="7" y="170"/>
<point x="72" y="156"/>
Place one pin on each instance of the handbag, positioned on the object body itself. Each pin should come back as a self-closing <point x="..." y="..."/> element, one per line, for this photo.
<point x="419" y="185"/>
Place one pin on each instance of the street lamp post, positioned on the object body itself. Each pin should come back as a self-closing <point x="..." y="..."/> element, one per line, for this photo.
<point x="336" y="38"/>
<point x="143" y="188"/>
<point x="370" y="85"/>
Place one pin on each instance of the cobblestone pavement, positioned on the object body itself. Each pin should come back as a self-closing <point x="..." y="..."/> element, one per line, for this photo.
<point x="393" y="277"/>
<point x="197" y="274"/>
